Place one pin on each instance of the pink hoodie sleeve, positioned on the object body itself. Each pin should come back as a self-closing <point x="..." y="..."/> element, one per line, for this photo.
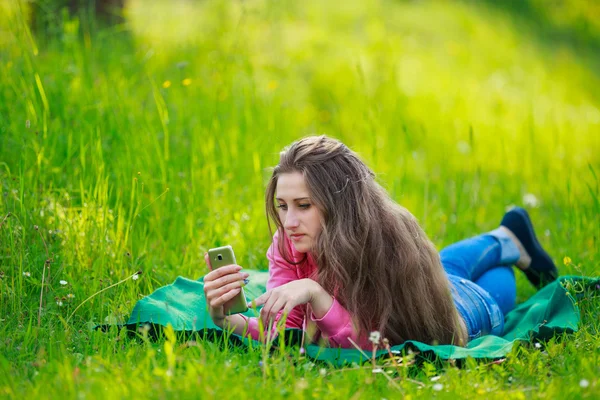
<point x="280" y="273"/>
<point x="336" y="325"/>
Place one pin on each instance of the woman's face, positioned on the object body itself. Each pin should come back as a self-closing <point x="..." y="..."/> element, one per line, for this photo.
<point x="300" y="217"/>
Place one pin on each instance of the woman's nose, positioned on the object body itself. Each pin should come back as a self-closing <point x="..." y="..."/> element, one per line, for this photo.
<point x="291" y="221"/>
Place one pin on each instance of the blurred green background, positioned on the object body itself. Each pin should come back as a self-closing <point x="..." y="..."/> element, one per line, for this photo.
<point x="139" y="138"/>
<point x="136" y="137"/>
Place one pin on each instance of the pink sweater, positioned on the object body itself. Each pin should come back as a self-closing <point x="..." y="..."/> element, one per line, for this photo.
<point x="335" y="326"/>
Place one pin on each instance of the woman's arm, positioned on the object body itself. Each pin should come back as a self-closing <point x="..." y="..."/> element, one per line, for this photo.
<point x="335" y="322"/>
<point x="280" y="273"/>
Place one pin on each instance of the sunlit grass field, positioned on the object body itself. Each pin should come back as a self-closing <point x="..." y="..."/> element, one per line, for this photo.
<point x="140" y="145"/>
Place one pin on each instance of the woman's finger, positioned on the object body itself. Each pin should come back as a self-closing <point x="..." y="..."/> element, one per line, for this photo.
<point x="220" y="301"/>
<point x="271" y="314"/>
<point x="224" y="289"/>
<point x="266" y="310"/>
<point x="260" y="300"/>
<point x="229" y="278"/>
<point x="222" y="271"/>
<point x="207" y="261"/>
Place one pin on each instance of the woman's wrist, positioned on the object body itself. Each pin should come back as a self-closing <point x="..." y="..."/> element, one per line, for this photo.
<point x="219" y="321"/>
<point x="320" y="300"/>
<point x="234" y="322"/>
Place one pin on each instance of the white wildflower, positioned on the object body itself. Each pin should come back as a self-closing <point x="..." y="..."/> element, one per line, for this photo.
<point x="377" y="370"/>
<point x="144" y="329"/>
<point x="71" y="296"/>
<point x="135" y="276"/>
<point x="375" y="337"/>
<point x="584" y="383"/>
<point x="60" y="303"/>
<point x="62" y="282"/>
<point x="437" y="387"/>
<point x="323" y="372"/>
<point x="463" y="147"/>
<point x="530" y="200"/>
<point x="538" y="346"/>
<point x="27" y="274"/>
<point x="435" y="378"/>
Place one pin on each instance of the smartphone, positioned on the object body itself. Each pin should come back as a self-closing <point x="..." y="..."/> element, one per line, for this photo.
<point x="220" y="257"/>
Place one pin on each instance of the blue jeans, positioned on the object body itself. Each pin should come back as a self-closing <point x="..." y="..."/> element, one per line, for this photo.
<point x="482" y="280"/>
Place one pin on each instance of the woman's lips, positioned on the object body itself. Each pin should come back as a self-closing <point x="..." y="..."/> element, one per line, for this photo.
<point x="297" y="236"/>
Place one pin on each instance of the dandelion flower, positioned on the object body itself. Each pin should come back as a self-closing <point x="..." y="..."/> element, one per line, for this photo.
<point x="530" y="200"/>
<point x="63" y="283"/>
<point x="375" y="337"/>
<point x="186" y="82"/>
<point x="584" y="383"/>
<point x="437" y="387"/>
<point x="166" y="84"/>
<point x="567" y="260"/>
<point x="27" y="274"/>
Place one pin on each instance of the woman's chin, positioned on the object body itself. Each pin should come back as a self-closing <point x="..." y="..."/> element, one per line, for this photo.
<point x="301" y="247"/>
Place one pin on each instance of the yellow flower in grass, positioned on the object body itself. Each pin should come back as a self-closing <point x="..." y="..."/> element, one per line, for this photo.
<point x="567" y="260"/>
<point x="186" y="82"/>
<point x="166" y="84"/>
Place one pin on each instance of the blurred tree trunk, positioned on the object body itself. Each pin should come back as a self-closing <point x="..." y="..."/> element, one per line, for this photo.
<point x="47" y="14"/>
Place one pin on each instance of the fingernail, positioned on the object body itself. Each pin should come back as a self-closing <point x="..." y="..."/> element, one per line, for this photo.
<point x="246" y="281"/>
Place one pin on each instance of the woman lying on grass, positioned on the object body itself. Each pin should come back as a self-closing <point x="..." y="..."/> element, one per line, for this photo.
<point x="348" y="259"/>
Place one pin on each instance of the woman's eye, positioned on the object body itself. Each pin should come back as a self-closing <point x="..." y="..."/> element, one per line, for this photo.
<point x="282" y="206"/>
<point x="303" y="206"/>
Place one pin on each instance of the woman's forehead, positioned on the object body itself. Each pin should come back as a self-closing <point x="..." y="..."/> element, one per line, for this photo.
<point x="291" y="186"/>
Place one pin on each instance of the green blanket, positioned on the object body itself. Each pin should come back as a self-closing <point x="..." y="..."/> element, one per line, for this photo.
<point x="551" y="310"/>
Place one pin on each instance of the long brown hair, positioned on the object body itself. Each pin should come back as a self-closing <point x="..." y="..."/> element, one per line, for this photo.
<point x="371" y="253"/>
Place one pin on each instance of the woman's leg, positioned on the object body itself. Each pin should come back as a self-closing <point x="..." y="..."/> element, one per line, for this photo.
<point x="481" y="275"/>
<point x="487" y="261"/>
<point x="500" y="283"/>
<point x="471" y="258"/>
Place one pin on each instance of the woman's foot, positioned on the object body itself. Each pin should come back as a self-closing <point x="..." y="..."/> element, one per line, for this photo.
<point x="534" y="261"/>
<point x="524" y="260"/>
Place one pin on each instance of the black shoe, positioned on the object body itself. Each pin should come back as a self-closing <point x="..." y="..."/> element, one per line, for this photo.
<point x="542" y="269"/>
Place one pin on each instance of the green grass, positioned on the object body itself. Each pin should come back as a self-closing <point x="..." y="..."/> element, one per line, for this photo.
<point x="140" y="146"/>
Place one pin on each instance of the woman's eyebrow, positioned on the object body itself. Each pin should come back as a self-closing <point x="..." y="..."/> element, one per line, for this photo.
<point x="298" y="199"/>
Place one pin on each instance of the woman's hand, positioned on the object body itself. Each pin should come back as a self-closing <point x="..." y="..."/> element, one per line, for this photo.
<point x="286" y="297"/>
<point x="221" y="286"/>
